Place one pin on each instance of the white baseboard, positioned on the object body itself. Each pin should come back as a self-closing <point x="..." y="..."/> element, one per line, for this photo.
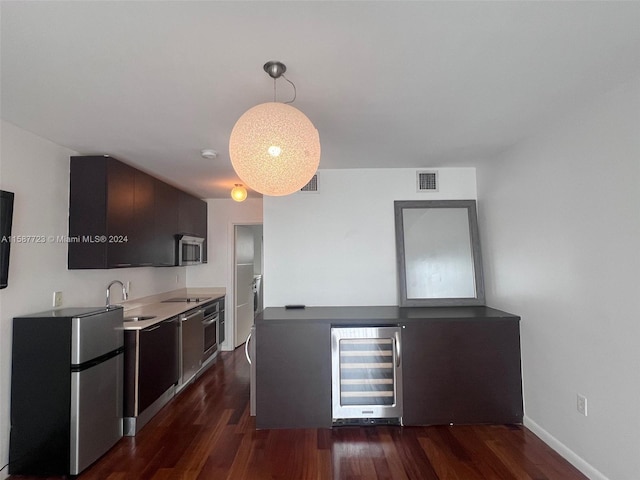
<point x="564" y="451"/>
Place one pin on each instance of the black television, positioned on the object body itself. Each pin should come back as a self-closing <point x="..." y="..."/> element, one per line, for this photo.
<point x="6" y="218"/>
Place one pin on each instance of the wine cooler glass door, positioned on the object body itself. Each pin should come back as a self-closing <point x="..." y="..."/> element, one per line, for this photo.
<point x="366" y="373"/>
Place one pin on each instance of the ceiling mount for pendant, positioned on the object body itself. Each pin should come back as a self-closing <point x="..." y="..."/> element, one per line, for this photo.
<point x="275" y="69"/>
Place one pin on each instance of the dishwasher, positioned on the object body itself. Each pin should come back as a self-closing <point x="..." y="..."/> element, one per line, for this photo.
<point x="366" y="375"/>
<point x="191" y="345"/>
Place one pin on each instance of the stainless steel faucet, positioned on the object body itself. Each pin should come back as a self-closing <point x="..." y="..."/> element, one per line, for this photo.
<point x="125" y="295"/>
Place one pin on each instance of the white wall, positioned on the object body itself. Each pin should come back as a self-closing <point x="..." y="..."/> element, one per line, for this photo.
<point x="560" y="223"/>
<point x="337" y="247"/>
<point x="223" y="215"/>
<point x="37" y="171"/>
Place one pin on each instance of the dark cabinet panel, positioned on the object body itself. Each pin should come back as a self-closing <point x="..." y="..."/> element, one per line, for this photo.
<point x="293" y="376"/>
<point x="192" y="218"/>
<point x="122" y="217"/>
<point x="158" y="361"/>
<point x="165" y="223"/>
<point x="87" y="212"/>
<point x="143" y="231"/>
<point x="462" y="372"/>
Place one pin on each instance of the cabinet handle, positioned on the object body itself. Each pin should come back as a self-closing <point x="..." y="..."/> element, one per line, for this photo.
<point x="145" y="264"/>
<point x="151" y="329"/>
<point x="122" y="264"/>
<point x="188" y="317"/>
<point x="246" y="349"/>
<point x="398" y="349"/>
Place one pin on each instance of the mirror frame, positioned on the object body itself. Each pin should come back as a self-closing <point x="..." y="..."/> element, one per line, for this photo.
<point x="470" y="205"/>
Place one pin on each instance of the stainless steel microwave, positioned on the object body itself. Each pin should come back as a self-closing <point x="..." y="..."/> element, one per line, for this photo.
<point x="190" y="250"/>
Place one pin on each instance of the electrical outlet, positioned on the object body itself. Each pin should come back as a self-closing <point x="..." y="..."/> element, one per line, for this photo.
<point x="581" y="404"/>
<point x="57" y="299"/>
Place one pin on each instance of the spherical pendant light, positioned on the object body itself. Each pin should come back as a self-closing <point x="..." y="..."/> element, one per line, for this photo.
<point x="274" y="147"/>
<point x="239" y="193"/>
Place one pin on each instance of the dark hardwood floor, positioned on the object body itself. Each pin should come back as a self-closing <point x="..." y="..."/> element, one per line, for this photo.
<point x="207" y="433"/>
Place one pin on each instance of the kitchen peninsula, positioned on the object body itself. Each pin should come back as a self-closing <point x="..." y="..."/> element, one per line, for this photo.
<point x="460" y="365"/>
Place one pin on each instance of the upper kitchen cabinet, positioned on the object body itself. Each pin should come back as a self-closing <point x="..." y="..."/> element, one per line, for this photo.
<point x="122" y="217"/>
<point x="192" y="216"/>
<point x="192" y="219"/>
<point x="166" y="223"/>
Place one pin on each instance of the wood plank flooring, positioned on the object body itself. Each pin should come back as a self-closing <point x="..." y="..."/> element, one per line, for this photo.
<point x="206" y="433"/>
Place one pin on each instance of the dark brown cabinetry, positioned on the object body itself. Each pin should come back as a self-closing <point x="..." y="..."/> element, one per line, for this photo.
<point x="151" y="365"/>
<point x="192" y="218"/>
<point x="165" y="223"/>
<point x="461" y="371"/>
<point x="122" y="217"/>
<point x="293" y="375"/>
<point x="460" y="364"/>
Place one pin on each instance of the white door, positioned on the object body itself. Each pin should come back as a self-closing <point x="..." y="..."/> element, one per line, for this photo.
<point x="244" y="250"/>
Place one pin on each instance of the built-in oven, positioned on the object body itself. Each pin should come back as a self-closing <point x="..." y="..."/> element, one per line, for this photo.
<point x="210" y="324"/>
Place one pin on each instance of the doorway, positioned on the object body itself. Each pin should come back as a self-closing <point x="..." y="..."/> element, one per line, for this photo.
<point x="248" y="279"/>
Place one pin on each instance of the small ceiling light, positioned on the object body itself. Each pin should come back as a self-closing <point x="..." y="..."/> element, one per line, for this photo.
<point x="274" y="147"/>
<point x="239" y="193"/>
<point x="208" y="153"/>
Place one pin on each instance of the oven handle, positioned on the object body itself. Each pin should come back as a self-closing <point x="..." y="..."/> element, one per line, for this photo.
<point x="246" y="349"/>
<point x="184" y="318"/>
<point x="206" y="322"/>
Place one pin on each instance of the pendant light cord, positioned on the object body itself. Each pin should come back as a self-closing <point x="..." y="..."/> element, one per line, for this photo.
<point x="295" y="93"/>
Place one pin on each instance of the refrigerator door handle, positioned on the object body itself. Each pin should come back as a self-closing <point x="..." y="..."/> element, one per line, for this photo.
<point x="246" y="349"/>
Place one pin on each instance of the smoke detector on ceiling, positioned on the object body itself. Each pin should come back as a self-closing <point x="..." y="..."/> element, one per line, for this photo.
<point x="208" y="153"/>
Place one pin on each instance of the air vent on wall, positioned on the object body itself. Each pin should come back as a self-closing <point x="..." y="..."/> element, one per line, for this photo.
<point x="427" y="180"/>
<point x="312" y="186"/>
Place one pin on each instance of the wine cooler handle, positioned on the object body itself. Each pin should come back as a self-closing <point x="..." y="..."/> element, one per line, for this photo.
<point x="398" y="349"/>
<point x="246" y="348"/>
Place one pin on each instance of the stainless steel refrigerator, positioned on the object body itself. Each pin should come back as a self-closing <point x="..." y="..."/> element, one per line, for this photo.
<point x="66" y="389"/>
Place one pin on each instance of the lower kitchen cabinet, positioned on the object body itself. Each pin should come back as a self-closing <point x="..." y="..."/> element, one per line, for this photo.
<point x="293" y="375"/>
<point x="151" y="365"/>
<point x="459" y="364"/>
<point x="459" y="371"/>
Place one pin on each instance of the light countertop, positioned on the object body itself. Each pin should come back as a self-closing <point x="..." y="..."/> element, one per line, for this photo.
<point x="153" y="306"/>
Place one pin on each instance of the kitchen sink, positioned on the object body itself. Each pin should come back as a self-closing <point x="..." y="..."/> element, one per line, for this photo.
<point x="139" y="318"/>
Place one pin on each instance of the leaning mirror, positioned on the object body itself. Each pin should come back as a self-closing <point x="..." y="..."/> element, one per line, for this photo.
<point x="438" y="253"/>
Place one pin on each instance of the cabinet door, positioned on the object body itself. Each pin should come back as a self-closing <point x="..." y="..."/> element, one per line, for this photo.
<point x="158" y="361"/>
<point x="120" y="213"/>
<point x="462" y="372"/>
<point x="192" y="218"/>
<point x="188" y="206"/>
<point x="87" y="212"/>
<point x="142" y="237"/>
<point x="293" y="375"/>
<point x="166" y="223"/>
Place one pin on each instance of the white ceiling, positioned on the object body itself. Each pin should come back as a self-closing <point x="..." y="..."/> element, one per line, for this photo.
<point x="387" y="84"/>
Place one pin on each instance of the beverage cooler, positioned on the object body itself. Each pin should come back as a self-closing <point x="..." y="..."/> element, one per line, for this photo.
<point x="366" y="375"/>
